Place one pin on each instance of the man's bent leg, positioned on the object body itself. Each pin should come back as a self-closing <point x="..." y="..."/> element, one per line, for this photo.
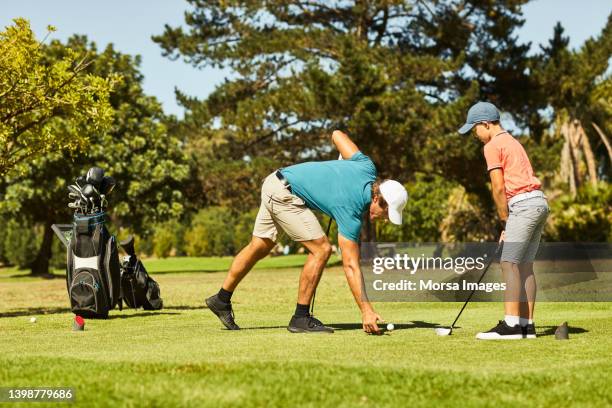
<point x="220" y="304"/>
<point x="320" y="251"/>
<point x="302" y="322"/>
<point x="245" y="260"/>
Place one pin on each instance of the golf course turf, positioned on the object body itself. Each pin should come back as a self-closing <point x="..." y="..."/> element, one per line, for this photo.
<point x="182" y="356"/>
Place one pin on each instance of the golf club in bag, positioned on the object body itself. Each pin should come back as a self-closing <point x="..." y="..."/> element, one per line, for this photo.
<point x="93" y="271"/>
<point x="447" y="331"/>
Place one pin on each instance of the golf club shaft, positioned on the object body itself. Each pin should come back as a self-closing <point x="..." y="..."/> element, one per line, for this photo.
<point x="314" y="294"/>
<point x="499" y="246"/>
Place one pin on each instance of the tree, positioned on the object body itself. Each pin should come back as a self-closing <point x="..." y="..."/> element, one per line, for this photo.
<point x="35" y="94"/>
<point x="576" y="85"/>
<point x="147" y="161"/>
<point x="397" y="75"/>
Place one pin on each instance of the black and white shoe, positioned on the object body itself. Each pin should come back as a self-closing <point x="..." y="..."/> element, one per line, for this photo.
<point x="529" y="331"/>
<point x="307" y="324"/>
<point x="502" y="332"/>
<point x="223" y="310"/>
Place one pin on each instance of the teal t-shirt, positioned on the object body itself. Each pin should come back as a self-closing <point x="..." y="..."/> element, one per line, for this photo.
<point x="338" y="188"/>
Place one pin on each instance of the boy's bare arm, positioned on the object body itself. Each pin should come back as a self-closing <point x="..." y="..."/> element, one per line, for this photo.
<point x="499" y="193"/>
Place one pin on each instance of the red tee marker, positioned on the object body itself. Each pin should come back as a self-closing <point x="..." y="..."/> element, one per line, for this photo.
<point x="78" y="324"/>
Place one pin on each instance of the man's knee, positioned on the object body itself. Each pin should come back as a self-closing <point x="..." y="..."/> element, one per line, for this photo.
<point x="261" y="246"/>
<point x="323" y="249"/>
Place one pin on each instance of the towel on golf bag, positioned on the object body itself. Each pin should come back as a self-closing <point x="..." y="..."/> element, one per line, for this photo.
<point x="138" y="289"/>
<point x="93" y="271"/>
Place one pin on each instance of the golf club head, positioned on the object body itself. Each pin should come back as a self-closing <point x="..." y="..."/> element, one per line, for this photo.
<point x="88" y="190"/>
<point x="128" y="245"/>
<point x="74" y="189"/>
<point x="95" y="175"/>
<point x="108" y="184"/>
<point x="81" y="181"/>
<point x="443" y="331"/>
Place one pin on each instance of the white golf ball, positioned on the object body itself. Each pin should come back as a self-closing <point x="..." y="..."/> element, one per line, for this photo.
<point x="390" y="327"/>
<point x="32" y="320"/>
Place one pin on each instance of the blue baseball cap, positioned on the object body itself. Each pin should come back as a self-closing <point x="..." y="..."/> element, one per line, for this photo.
<point x="479" y="112"/>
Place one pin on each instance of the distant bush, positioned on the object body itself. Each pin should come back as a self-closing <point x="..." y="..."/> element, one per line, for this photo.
<point x="21" y="243"/>
<point x="243" y="229"/>
<point x="211" y="233"/>
<point x="428" y="202"/>
<point x="586" y="218"/>
<point x="3" y="259"/>
<point x="168" y="239"/>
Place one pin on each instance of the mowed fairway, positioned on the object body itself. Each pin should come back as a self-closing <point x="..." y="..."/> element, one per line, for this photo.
<point x="181" y="356"/>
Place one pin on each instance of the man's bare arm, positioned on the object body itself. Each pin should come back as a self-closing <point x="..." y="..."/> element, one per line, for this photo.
<point x="499" y="193"/>
<point x="352" y="270"/>
<point x="344" y="144"/>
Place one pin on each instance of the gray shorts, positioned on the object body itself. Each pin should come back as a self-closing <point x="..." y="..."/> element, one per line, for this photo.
<point x="524" y="229"/>
<point x="280" y="209"/>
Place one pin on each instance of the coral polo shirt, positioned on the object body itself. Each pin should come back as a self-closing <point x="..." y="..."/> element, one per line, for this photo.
<point x="506" y="153"/>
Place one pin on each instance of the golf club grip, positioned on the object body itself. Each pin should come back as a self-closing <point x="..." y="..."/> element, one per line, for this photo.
<point x="497" y="252"/>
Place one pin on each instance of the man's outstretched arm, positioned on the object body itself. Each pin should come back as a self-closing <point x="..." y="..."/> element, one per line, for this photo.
<point x="344" y="144"/>
<point x="352" y="270"/>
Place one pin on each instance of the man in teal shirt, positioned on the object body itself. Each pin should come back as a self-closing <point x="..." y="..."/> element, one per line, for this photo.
<point x="344" y="190"/>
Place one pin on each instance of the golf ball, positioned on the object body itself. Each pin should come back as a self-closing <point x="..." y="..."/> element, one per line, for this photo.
<point x="390" y="327"/>
<point x="32" y="320"/>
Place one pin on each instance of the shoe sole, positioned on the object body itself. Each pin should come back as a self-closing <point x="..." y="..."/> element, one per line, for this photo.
<point x="299" y="330"/>
<point x="218" y="317"/>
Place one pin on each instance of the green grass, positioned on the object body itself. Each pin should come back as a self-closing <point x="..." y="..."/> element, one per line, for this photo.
<point x="181" y="356"/>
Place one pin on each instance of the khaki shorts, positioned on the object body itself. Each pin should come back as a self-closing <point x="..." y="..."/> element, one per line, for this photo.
<point x="281" y="209"/>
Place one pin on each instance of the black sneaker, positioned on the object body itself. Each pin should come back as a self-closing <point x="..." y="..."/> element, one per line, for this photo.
<point x="223" y="311"/>
<point x="529" y="331"/>
<point x="307" y="324"/>
<point x="502" y="332"/>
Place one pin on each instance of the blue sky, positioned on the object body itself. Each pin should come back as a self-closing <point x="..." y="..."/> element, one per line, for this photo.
<point x="129" y="24"/>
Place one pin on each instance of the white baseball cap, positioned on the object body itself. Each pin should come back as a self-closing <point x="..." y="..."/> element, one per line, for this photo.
<point x="396" y="197"/>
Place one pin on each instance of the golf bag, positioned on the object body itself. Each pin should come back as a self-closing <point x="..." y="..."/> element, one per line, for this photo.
<point x="138" y="289"/>
<point x="93" y="275"/>
<point x="95" y="279"/>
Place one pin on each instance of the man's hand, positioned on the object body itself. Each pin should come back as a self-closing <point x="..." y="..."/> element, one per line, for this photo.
<point x="350" y="261"/>
<point x="502" y="236"/>
<point x="344" y="144"/>
<point x="370" y="319"/>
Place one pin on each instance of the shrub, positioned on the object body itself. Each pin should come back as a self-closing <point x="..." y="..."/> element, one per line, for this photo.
<point x="585" y="218"/>
<point x="243" y="229"/>
<point x="428" y="202"/>
<point x="168" y="237"/>
<point x="21" y="243"/>
<point x="211" y="233"/>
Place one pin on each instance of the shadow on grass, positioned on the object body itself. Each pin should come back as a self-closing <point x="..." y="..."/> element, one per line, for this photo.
<point x="46" y="276"/>
<point x="544" y="331"/>
<point x="357" y="326"/>
<point x="185" y="307"/>
<point x="417" y="324"/>
<point x="59" y="310"/>
<point x="34" y="311"/>
<point x="141" y="314"/>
